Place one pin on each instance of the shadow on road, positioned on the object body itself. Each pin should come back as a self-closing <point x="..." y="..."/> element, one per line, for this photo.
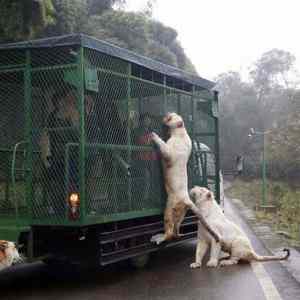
<point x="39" y="279"/>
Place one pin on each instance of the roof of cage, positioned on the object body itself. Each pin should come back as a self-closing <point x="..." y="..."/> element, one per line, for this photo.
<point x="112" y="50"/>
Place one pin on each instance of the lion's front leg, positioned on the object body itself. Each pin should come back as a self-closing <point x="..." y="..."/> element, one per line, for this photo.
<point x="215" y="249"/>
<point x="163" y="147"/>
<point x="191" y="205"/>
<point x="202" y="247"/>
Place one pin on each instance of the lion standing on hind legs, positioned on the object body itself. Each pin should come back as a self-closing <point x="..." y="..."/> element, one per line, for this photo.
<point x="175" y="155"/>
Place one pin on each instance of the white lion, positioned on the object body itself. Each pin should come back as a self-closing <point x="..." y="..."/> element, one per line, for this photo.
<point x="175" y="155"/>
<point x="232" y="239"/>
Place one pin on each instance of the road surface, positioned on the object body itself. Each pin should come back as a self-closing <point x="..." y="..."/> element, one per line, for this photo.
<point x="167" y="277"/>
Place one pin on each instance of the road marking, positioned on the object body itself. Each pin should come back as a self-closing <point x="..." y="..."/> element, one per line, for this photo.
<point x="265" y="281"/>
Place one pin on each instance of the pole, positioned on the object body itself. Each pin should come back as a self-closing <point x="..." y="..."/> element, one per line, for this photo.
<point x="263" y="174"/>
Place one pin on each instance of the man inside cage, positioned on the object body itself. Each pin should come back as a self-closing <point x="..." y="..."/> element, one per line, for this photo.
<point x="62" y="127"/>
<point x="103" y="126"/>
<point x="147" y="162"/>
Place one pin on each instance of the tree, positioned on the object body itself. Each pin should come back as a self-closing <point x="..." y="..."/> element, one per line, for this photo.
<point x="25" y="19"/>
<point x="141" y="34"/>
<point x="126" y="29"/>
<point x="166" y="48"/>
<point x="269" y="102"/>
<point x="71" y="16"/>
<point x="135" y="31"/>
<point x="239" y="111"/>
<point x="97" y="7"/>
<point x="271" y="70"/>
<point x="161" y="53"/>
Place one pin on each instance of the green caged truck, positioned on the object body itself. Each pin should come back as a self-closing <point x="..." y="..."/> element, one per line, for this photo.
<point x="79" y="180"/>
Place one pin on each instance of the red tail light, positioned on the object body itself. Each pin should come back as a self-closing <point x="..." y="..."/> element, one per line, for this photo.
<point x="74" y="206"/>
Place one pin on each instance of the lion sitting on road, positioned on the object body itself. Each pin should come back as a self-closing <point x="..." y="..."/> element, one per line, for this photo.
<point x="233" y="240"/>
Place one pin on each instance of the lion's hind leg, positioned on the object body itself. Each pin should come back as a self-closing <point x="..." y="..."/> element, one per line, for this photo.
<point x="239" y="249"/>
<point x="163" y="237"/>
<point x="179" y="213"/>
<point x="169" y="229"/>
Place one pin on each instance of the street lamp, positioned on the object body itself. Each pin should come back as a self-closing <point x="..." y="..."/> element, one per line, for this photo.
<point x="263" y="166"/>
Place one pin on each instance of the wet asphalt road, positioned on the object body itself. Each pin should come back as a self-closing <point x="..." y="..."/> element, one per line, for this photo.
<point x="167" y="277"/>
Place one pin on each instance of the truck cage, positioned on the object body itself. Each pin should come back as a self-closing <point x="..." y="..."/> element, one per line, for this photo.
<point x="96" y="149"/>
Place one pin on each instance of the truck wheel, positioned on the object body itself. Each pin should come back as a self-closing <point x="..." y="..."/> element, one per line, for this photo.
<point x="53" y="262"/>
<point x="140" y="262"/>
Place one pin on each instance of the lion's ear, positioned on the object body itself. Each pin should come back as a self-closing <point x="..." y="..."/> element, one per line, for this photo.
<point x="209" y="195"/>
<point x="3" y="246"/>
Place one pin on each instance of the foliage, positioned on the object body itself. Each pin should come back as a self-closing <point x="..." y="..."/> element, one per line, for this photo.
<point x="138" y="32"/>
<point x="141" y="34"/>
<point x="280" y="194"/>
<point x="271" y="70"/>
<point x="71" y="16"/>
<point x="24" y="19"/>
<point x="238" y="112"/>
<point x="97" y="7"/>
<point x="283" y="148"/>
<point x="269" y="101"/>
<point x="125" y="29"/>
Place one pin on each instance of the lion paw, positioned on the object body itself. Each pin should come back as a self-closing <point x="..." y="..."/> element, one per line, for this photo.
<point x="228" y="262"/>
<point x="212" y="263"/>
<point x="195" y="265"/>
<point x="158" y="238"/>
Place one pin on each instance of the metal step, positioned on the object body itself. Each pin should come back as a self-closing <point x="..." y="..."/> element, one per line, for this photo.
<point x="117" y="235"/>
<point x="115" y="256"/>
<point x="113" y="237"/>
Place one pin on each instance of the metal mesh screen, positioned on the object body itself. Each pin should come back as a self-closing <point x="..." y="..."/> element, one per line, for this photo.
<point x="55" y="124"/>
<point x="12" y="124"/>
<point x="204" y="144"/>
<point x="147" y="171"/>
<point x="11" y="59"/>
<point x="106" y="124"/>
<point x="86" y="128"/>
<point x="55" y="141"/>
<point x="123" y="172"/>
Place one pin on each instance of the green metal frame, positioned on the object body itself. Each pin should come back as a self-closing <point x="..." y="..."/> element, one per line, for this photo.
<point x="82" y="153"/>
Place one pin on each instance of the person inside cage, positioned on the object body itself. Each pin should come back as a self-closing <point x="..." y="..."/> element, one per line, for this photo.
<point x="62" y="127"/>
<point x="147" y="165"/>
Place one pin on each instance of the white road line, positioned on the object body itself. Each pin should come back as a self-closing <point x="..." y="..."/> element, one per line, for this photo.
<point x="265" y="281"/>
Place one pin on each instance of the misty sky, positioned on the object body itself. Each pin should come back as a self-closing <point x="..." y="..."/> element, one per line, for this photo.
<point x="219" y="36"/>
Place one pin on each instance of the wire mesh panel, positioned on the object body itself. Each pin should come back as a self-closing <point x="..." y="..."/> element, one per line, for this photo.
<point x="204" y="144"/>
<point x="148" y="189"/>
<point x="106" y="124"/>
<point x="78" y="121"/>
<point x="55" y="122"/>
<point x="121" y="112"/>
<point x="172" y="101"/>
<point x="185" y="109"/>
<point x="12" y="124"/>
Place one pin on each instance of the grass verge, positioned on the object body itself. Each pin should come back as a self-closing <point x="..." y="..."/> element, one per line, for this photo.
<point x="286" y="217"/>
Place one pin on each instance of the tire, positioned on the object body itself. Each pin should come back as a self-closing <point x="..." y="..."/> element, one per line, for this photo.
<point x="140" y="262"/>
<point x="54" y="262"/>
